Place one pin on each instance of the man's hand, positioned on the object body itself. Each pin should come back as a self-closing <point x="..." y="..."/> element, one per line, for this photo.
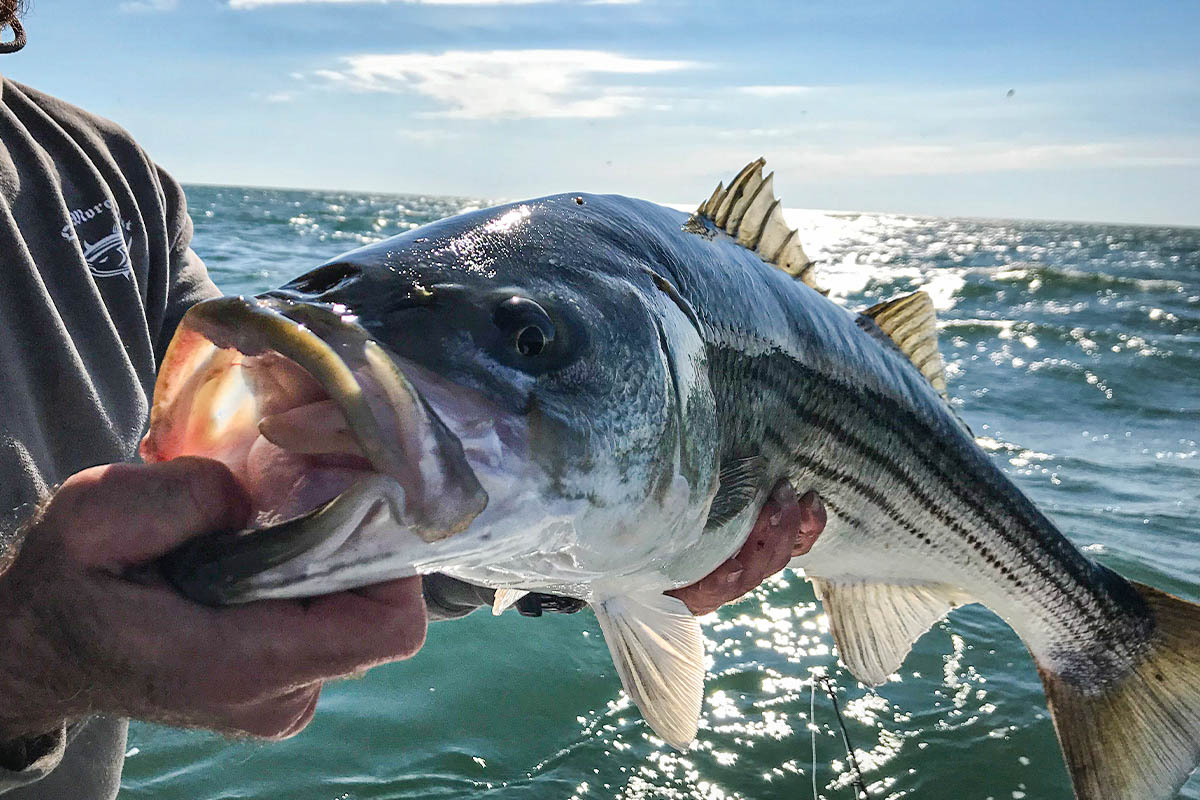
<point x="786" y="527"/>
<point x="79" y="636"/>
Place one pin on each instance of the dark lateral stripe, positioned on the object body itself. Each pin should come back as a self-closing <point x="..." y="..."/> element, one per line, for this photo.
<point x="868" y="453"/>
<point x="868" y="402"/>
<point x="1087" y="622"/>
<point x="935" y="509"/>
<point x="911" y="426"/>
<point x="876" y="498"/>
<point x="834" y="508"/>
<point x="916" y="444"/>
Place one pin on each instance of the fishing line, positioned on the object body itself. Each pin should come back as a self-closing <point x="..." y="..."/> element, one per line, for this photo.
<point x="812" y="730"/>
<point x="860" y="788"/>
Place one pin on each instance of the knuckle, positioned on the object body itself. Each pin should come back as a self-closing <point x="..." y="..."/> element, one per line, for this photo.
<point x="76" y="493"/>
<point x="237" y="686"/>
<point x="403" y="633"/>
<point x="281" y="717"/>
<point x="198" y="490"/>
<point x="267" y="726"/>
<point x="208" y="483"/>
<point x="407" y="637"/>
<point x="181" y="495"/>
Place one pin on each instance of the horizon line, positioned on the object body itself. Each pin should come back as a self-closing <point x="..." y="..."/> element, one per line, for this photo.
<point x="683" y="206"/>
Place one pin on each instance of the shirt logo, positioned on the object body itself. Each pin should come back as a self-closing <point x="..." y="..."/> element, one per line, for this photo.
<point x="103" y="237"/>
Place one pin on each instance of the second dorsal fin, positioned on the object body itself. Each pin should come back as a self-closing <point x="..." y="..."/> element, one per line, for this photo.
<point x="910" y="322"/>
<point x="749" y="212"/>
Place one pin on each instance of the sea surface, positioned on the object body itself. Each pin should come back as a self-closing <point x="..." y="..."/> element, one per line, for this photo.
<point x="1074" y="354"/>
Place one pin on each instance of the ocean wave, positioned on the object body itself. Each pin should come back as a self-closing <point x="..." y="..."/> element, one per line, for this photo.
<point x="1041" y="276"/>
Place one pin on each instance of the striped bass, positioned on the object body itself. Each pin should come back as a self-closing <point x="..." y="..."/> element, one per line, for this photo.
<point x="592" y="396"/>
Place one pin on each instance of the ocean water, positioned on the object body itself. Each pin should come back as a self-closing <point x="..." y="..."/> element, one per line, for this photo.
<point x="1074" y="354"/>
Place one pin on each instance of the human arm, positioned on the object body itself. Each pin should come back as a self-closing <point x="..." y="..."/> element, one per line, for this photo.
<point x="95" y="640"/>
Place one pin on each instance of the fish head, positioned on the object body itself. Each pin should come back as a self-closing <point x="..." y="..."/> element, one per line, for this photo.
<point x="510" y="396"/>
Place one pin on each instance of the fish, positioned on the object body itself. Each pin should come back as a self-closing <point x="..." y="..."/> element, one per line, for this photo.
<point x="592" y="396"/>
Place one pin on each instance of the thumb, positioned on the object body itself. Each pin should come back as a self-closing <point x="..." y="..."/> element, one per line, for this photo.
<point x="120" y="515"/>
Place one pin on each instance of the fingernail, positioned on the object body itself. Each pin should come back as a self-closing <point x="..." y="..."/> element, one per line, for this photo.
<point x="784" y="492"/>
<point x="734" y="576"/>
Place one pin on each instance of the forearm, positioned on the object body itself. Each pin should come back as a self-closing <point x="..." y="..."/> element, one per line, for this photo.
<point x="31" y="743"/>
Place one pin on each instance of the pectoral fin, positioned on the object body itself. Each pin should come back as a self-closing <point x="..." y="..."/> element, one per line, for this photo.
<point x="739" y="482"/>
<point x="658" y="649"/>
<point x="876" y="624"/>
<point x="505" y="598"/>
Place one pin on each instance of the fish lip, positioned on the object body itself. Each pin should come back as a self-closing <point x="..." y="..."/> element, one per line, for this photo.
<point x="225" y="568"/>
<point x="442" y="494"/>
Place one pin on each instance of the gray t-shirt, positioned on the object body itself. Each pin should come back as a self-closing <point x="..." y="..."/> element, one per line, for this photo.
<point x="95" y="271"/>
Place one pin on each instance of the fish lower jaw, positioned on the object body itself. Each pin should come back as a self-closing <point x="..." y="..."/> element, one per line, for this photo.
<point x="305" y="408"/>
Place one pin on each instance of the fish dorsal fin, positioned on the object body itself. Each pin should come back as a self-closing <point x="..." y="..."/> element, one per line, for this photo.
<point x="911" y="323"/>
<point x="658" y="649"/>
<point x="876" y="624"/>
<point x="749" y="212"/>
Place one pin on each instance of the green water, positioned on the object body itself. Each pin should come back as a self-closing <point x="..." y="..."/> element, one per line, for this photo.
<point x="1075" y="353"/>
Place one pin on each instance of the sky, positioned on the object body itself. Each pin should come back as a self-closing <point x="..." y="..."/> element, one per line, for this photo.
<point x="1055" y="110"/>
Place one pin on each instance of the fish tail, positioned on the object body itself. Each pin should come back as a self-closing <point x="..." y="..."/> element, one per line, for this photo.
<point x="1137" y="736"/>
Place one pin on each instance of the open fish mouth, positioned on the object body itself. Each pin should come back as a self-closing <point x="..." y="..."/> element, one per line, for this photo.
<point x="320" y="426"/>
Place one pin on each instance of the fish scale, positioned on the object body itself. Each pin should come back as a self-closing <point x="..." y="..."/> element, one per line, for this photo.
<point x="652" y="377"/>
<point x="812" y="436"/>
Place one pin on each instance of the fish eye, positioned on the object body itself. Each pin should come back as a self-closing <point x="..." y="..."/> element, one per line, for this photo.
<point x="525" y="324"/>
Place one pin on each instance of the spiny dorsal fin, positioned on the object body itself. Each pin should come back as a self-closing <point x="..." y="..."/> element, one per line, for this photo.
<point x="748" y="211"/>
<point x="911" y="323"/>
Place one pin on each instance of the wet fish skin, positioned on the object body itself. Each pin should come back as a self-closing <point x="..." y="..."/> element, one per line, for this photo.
<point x="790" y="376"/>
<point x="686" y="375"/>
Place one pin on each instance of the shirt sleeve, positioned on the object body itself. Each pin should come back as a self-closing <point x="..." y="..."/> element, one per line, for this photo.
<point x="188" y="281"/>
<point x="24" y="761"/>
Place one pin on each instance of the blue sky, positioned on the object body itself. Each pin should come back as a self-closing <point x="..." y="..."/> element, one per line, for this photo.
<point x="879" y="106"/>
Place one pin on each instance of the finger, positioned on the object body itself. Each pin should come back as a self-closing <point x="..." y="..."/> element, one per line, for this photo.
<point x="785" y="512"/>
<point x="783" y="497"/>
<point x="326" y="637"/>
<point x="275" y="718"/>
<point x="767" y="550"/>
<point x="724" y="577"/>
<point x="120" y="515"/>
<point x="812" y="522"/>
<point x="714" y="590"/>
<point x="194" y="656"/>
<point x="397" y="593"/>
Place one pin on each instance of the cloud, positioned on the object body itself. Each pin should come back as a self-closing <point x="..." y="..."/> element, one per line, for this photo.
<point x="428" y="137"/>
<point x="904" y="159"/>
<point x="147" y="6"/>
<point x="250" y="4"/>
<point x="774" y="91"/>
<point x="505" y="84"/>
